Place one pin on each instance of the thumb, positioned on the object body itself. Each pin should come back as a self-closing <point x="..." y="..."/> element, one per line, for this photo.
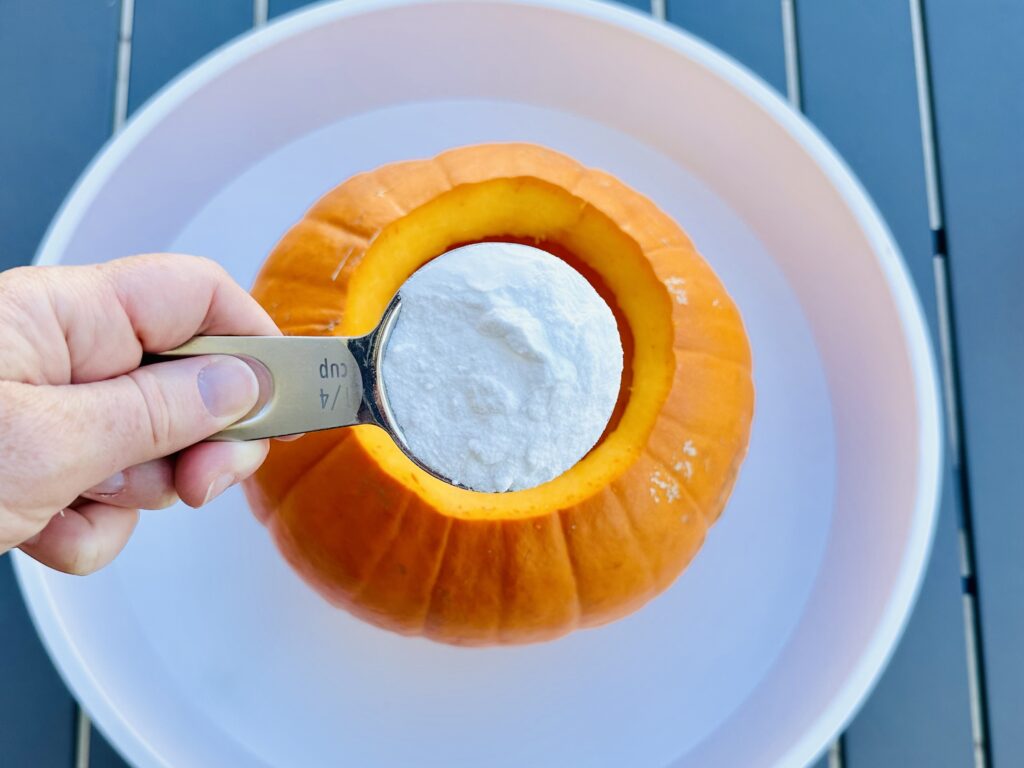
<point x="151" y="412"/>
<point x="160" y="409"/>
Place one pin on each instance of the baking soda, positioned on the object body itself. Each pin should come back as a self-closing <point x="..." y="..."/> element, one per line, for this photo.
<point x="503" y="367"/>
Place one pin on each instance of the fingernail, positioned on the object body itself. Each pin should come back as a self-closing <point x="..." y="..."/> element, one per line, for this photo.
<point x="248" y="457"/>
<point x="113" y="484"/>
<point x="246" y="460"/>
<point x="217" y="487"/>
<point x="228" y="387"/>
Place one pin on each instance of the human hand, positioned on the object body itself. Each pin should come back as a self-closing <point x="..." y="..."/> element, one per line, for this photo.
<point x="86" y="436"/>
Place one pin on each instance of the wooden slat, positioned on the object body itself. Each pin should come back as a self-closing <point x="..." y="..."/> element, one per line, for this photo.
<point x="748" y="30"/>
<point x="761" y="36"/>
<point x="56" y="87"/>
<point x="278" y="7"/>
<point x="640" y="5"/>
<point x="867" y="106"/>
<point x="845" y="93"/>
<point x="101" y="754"/>
<point x="38" y="713"/>
<point x="919" y="714"/>
<point x="167" y="37"/>
<point x="170" y="35"/>
<point x="977" y="67"/>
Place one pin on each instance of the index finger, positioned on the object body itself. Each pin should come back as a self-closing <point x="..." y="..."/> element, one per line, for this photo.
<point x="114" y="312"/>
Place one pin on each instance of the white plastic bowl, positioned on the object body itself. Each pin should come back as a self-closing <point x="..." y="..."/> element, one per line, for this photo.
<point x="200" y="647"/>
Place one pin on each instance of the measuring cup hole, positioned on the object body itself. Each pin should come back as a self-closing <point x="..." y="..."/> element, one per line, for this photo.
<point x="266" y="382"/>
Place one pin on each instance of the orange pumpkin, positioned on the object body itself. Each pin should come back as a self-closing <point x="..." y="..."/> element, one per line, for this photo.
<point x="378" y="536"/>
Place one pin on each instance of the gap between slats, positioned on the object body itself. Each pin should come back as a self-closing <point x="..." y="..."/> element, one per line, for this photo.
<point x="947" y="345"/>
<point x="951" y="391"/>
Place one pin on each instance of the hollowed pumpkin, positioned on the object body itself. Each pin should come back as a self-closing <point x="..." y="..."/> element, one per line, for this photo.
<point x="378" y="536"/>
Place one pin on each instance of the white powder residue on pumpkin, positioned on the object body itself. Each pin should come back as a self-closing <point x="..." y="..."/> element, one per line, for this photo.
<point x="677" y="287"/>
<point x="685" y="466"/>
<point x="503" y="367"/>
<point x="661" y="485"/>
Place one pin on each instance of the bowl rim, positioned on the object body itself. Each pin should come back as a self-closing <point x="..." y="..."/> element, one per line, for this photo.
<point x="921" y="532"/>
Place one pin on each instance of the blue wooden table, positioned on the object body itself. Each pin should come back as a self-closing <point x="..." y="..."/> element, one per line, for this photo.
<point x="924" y="99"/>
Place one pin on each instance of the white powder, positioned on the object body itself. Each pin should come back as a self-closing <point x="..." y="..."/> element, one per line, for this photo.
<point x="503" y="367"/>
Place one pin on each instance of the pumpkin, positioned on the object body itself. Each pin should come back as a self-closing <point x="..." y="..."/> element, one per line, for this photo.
<point x="383" y="539"/>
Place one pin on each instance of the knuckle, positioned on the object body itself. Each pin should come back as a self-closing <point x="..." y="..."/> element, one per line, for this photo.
<point x="17" y="276"/>
<point x="126" y="266"/>
<point x="32" y="459"/>
<point x="130" y="262"/>
<point x="24" y="430"/>
<point x="154" y="410"/>
<point x="21" y="287"/>
<point x="34" y="450"/>
<point x="211" y="266"/>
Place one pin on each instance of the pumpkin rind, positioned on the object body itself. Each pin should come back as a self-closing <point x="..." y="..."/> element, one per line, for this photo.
<point x="376" y="535"/>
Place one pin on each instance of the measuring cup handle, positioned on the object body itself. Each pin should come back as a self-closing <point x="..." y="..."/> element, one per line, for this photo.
<point x="307" y="383"/>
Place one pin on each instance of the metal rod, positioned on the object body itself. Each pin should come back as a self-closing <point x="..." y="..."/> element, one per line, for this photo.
<point x="922" y="71"/>
<point x="83" y="730"/>
<point x="124" y="64"/>
<point x="973" y="628"/>
<point x="837" y="753"/>
<point x="977" y="686"/>
<point x="791" y="49"/>
<point x="659" y="9"/>
<point x="260" y="11"/>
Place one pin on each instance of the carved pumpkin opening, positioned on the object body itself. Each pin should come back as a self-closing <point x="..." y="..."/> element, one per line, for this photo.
<point x="533" y="211"/>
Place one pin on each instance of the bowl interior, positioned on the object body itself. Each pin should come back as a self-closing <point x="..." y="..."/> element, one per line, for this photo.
<point x="199" y="646"/>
